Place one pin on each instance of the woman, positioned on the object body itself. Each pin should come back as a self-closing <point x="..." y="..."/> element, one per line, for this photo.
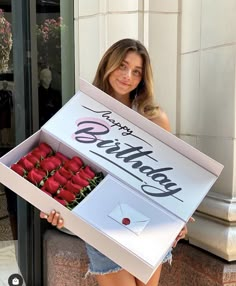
<point x="125" y="74"/>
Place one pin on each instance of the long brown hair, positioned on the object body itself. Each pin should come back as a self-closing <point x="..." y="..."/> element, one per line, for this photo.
<point x="142" y="97"/>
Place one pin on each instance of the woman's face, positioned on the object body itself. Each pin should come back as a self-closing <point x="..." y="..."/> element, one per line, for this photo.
<point x="127" y="76"/>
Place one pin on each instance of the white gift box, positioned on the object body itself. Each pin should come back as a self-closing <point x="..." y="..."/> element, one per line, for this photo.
<point x="153" y="180"/>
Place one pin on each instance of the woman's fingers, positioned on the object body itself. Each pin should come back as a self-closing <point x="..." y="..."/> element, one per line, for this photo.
<point x="43" y="215"/>
<point x="183" y="232"/>
<point x="60" y="223"/>
<point x="192" y="219"/>
<point x="54" y="218"/>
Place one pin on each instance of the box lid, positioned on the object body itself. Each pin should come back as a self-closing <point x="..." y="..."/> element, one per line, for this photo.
<point x="160" y="166"/>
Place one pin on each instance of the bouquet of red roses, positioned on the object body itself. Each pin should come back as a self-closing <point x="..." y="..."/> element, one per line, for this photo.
<point x="67" y="180"/>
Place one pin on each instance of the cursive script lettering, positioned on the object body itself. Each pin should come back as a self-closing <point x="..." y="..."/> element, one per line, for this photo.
<point x="106" y="115"/>
<point x="89" y="134"/>
<point x="133" y="155"/>
<point x="157" y="192"/>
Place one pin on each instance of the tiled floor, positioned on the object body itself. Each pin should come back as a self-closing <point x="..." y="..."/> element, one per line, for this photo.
<point x="5" y="228"/>
<point x="8" y="247"/>
<point x="8" y="263"/>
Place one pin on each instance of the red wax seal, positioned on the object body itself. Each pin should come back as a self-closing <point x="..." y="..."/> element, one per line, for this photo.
<point x="126" y="221"/>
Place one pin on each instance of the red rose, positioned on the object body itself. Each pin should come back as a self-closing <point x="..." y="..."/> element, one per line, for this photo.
<point x="65" y="173"/>
<point x="59" y="178"/>
<point x="66" y="195"/>
<point x="77" y="160"/>
<point x="55" y="160"/>
<point x="51" y="185"/>
<point x="88" y="170"/>
<point x="36" y="176"/>
<point x="25" y="163"/>
<point x="39" y="153"/>
<point x="74" y="188"/>
<point x="48" y="165"/>
<point x="79" y="180"/>
<point x="34" y="160"/>
<point x="72" y="165"/>
<point x="85" y="175"/>
<point x="18" y="169"/>
<point x="62" y="157"/>
<point x="46" y="148"/>
<point x="61" y="201"/>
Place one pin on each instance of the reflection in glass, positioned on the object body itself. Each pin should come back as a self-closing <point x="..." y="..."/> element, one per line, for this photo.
<point x="49" y="98"/>
<point x="49" y="29"/>
<point x="6" y="105"/>
<point x="49" y="43"/>
<point x="7" y="129"/>
<point x="5" y="42"/>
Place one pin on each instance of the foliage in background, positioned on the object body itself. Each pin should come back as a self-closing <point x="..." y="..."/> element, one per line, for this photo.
<point x="5" y="42"/>
<point x="49" y="43"/>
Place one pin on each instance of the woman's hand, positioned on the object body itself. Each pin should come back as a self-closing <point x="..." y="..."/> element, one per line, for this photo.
<point x="182" y="233"/>
<point x="54" y="218"/>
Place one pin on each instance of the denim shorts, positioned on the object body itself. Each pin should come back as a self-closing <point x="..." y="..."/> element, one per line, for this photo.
<point x="100" y="264"/>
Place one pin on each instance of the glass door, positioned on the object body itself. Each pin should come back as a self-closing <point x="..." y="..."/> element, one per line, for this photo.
<point x="38" y="81"/>
<point x="9" y="107"/>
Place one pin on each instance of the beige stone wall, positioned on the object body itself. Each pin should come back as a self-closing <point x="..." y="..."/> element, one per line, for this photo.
<point x="192" y="44"/>
<point x="155" y="23"/>
<point x="207" y="113"/>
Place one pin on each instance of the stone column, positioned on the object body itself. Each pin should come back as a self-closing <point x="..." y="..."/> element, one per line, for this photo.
<point x="207" y="114"/>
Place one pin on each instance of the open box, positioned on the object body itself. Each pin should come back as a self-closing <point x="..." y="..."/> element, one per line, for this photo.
<point x="151" y="177"/>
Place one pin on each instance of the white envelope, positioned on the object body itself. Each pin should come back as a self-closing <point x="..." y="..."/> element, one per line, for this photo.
<point x="129" y="218"/>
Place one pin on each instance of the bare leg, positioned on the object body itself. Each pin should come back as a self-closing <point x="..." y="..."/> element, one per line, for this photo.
<point x="124" y="278"/>
<point x="154" y="279"/>
<point x="120" y="278"/>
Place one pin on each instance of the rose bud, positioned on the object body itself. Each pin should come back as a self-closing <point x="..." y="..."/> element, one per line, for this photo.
<point x="79" y="180"/>
<point x="51" y="185"/>
<point x="55" y="160"/>
<point x="59" y="178"/>
<point x="18" y="169"/>
<point x="62" y="157"/>
<point x="39" y="153"/>
<point x="85" y="175"/>
<point x="77" y="160"/>
<point x="43" y="189"/>
<point x="34" y="160"/>
<point x="26" y="164"/>
<point x="88" y="170"/>
<point x="61" y="201"/>
<point x="36" y="176"/>
<point x="74" y="188"/>
<point x="66" y="195"/>
<point x="48" y="165"/>
<point x="72" y="165"/>
<point x="65" y="173"/>
<point x="46" y="148"/>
